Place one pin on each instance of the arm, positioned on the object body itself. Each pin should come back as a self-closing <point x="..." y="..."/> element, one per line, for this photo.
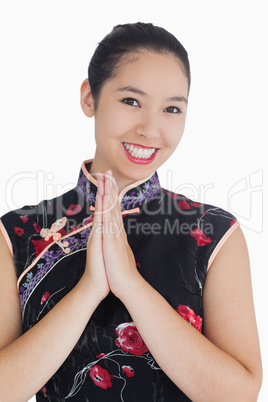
<point x="224" y="364"/>
<point x="28" y="361"/>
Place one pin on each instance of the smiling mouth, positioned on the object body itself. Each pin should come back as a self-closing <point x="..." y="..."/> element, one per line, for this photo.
<point x="138" y="152"/>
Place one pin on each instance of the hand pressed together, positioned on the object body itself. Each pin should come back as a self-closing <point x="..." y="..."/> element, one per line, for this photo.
<point x="110" y="260"/>
<point x="95" y="274"/>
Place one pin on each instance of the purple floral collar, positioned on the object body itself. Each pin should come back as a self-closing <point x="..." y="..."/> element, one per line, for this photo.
<point x="131" y="197"/>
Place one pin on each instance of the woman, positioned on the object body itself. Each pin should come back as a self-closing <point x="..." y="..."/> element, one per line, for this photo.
<point x="128" y="292"/>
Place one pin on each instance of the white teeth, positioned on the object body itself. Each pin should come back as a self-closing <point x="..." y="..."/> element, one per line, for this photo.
<point x="140" y="153"/>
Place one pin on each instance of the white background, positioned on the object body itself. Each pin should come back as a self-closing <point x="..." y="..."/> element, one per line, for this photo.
<point x="45" y="50"/>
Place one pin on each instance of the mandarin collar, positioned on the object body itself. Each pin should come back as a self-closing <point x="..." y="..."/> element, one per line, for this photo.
<point x="131" y="197"/>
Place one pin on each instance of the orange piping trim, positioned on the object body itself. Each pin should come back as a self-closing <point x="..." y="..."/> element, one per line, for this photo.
<point x="130" y="211"/>
<point x="132" y="185"/>
<point x="86" y="173"/>
<point x="6" y="237"/>
<point x="221" y="243"/>
<point x="127" y="211"/>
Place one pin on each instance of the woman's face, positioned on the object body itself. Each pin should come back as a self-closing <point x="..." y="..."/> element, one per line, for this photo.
<point x="140" y="117"/>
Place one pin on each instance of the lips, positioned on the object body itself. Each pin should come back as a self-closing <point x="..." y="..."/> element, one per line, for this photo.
<point x="140" y="154"/>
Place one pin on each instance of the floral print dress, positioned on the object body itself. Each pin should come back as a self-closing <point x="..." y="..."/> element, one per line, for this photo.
<point x="174" y="241"/>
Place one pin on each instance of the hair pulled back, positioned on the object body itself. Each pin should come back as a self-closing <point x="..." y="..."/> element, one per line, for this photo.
<point x="125" y="40"/>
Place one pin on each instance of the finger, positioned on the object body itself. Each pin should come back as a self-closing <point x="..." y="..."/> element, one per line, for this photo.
<point x="110" y="206"/>
<point x="116" y="214"/>
<point x="119" y="219"/>
<point x="99" y="197"/>
<point x="98" y="219"/>
<point x="108" y="191"/>
<point x="97" y="224"/>
<point x="107" y="217"/>
<point x="108" y="179"/>
<point x="100" y="183"/>
<point x="112" y="188"/>
<point x="98" y="208"/>
<point x="116" y="206"/>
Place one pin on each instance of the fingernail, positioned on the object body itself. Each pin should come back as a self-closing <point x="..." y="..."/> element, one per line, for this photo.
<point x="99" y="176"/>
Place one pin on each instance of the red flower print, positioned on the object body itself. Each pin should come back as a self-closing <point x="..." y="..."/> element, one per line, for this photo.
<point x="45" y="297"/>
<point x="172" y="195"/>
<point x="200" y="237"/>
<point x="101" y="377"/>
<point x="183" y="204"/>
<point x="41" y="244"/>
<point x="189" y="315"/>
<point x="129" y="339"/>
<point x="24" y="218"/>
<point x="37" y="227"/>
<point x="196" y="204"/>
<point x="129" y="371"/>
<point x="73" y="209"/>
<point x="19" y="231"/>
<point x="87" y="220"/>
<point x="74" y="227"/>
<point x="232" y="222"/>
<point x="100" y="355"/>
<point x="44" y="389"/>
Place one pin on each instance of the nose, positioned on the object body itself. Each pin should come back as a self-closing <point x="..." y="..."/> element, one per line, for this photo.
<point x="149" y="126"/>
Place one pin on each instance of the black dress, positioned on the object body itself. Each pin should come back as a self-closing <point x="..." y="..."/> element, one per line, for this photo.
<point x="174" y="241"/>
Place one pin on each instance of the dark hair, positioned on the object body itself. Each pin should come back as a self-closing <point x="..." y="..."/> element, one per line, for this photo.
<point x="126" y="39"/>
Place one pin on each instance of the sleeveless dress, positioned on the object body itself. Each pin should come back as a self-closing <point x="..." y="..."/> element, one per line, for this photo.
<point x="174" y="241"/>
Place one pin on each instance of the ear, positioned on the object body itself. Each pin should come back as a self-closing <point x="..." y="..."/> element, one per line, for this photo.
<point x="86" y="99"/>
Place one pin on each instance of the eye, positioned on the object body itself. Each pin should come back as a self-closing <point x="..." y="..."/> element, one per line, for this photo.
<point x="172" y="109"/>
<point x="130" y="101"/>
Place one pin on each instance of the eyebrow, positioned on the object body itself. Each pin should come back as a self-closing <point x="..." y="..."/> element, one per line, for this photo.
<point x="140" y="92"/>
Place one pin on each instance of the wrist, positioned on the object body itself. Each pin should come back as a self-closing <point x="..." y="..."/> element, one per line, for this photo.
<point x="89" y="291"/>
<point x="129" y="287"/>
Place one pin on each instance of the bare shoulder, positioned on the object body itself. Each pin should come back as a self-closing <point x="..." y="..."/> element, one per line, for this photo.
<point x="10" y="318"/>
<point x="229" y="316"/>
